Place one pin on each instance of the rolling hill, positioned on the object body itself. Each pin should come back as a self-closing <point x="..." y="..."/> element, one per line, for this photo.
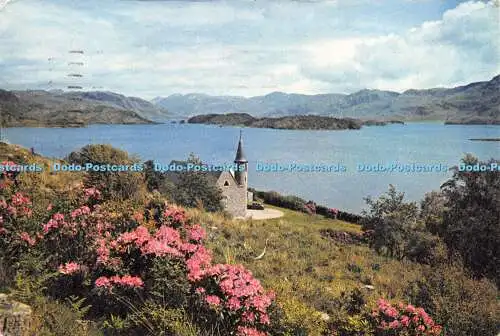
<point x="58" y="108"/>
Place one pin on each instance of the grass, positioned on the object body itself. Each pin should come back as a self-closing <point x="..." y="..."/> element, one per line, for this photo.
<point x="308" y="272"/>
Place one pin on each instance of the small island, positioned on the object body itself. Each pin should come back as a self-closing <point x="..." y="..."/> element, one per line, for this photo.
<point x="300" y="122"/>
<point x="485" y="139"/>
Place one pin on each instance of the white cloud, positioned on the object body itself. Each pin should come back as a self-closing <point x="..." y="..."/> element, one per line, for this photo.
<point x="461" y="47"/>
<point x="219" y="48"/>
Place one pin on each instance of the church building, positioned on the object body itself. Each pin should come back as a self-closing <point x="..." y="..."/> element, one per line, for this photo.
<point x="234" y="185"/>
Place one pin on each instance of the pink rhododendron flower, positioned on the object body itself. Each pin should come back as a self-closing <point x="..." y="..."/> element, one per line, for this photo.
<point x="406" y="320"/>
<point x="196" y="233"/>
<point x="233" y="303"/>
<point x="246" y="331"/>
<point x="69" y="268"/>
<point x="92" y="193"/>
<point x="26" y="237"/>
<point x="103" y="282"/>
<point x="213" y="300"/>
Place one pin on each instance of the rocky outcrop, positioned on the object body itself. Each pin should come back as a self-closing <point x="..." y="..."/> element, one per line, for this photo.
<point x="15" y="317"/>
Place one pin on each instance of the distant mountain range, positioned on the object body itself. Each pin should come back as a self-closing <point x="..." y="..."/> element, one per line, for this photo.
<point x="473" y="103"/>
<point x="67" y="109"/>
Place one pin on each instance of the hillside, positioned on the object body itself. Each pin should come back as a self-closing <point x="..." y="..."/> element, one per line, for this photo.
<point x="88" y="264"/>
<point x="57" y="108"/>
<point x="476" y="102"/>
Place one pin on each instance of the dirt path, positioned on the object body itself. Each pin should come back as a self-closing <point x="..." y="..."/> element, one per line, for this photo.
<point x="264" y="214"/>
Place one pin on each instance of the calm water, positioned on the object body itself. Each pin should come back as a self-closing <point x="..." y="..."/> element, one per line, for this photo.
<point x="425" y="143"/>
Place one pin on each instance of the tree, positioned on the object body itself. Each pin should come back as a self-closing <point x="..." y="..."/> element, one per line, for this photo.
<point x="195" y="187"/>
<point x="471" y="223"/>
<point x="392" y="221"/>
<point x="432" y="209"/>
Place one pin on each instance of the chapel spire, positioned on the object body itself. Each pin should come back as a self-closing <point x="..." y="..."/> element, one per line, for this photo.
<point x="240" y="155"/>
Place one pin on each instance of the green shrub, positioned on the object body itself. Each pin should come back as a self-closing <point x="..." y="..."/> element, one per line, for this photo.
<point x="471" y="221"/>
<point x="113" y="185"/>
<point x="461" y="305"/>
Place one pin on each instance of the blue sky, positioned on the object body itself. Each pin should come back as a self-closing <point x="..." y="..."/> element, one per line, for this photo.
<point x="247" y="47"/>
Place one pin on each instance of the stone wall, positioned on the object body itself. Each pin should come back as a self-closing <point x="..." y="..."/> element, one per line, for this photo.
<point x="235" y="196"/>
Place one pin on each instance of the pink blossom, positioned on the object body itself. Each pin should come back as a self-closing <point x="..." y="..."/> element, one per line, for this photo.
<point x="92" y="193"/>
<point x="103" y="282"/>
<point x="246" y="331"/>
<point x="264" y="318"/>
<point x="394" y="324"/>
<point x="175" y="214"/>
<point x="248" y="316"/>
<point x="410" y="309"/>
<point x="196" y="233"/>
<point x="233" y="303"/>
<point x="213" y="300"/>
<point x="69" y="268"/>
<point x="128" y="280"/>
<point x="26" y="237"/>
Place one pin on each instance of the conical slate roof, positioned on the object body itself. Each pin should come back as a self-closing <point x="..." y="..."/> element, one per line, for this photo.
<point x="240" y="155"/>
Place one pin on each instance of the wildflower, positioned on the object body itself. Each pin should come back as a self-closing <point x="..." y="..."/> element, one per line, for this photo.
<point x="246" y="331"/>
<point x="248" y="316"/>
<point x="196" y="233"/>
<point x="394" y="324"/>
<point x="410" y="309"/>
<point x="264" y="319"/>
<point x="233" y="303"/>
<point x="69" y="268"/>
<point x="129" y="281"/>
<point x="26" y="237"/>
<point x="213" y="300"/>
<point x="103" y="282"/>
<point x="92" y="193"/>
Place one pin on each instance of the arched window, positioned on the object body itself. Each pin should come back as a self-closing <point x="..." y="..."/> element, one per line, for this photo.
<point x="226" y="183"/>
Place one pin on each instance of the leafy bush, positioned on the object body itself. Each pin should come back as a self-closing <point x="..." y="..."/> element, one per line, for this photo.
<point x="462" y="305"/>
<point x="288" y="202"/>
<point x="112" y="185"/>
<point x="471" y="221"/>
<point x="403" y="319"/>
<point x="392" y="221"/>
<point x="192" y="189"/>
<point x="118" y="261"/>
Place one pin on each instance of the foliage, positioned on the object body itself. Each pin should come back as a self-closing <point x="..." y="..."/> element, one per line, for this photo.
<point x="471" y="222"/>
<point x="193" y="188"/>
<point x="143" y="266"/>
<point x="462" y="305"/>
<point x="112" y="184"/>
<point x="402" y="319"/>
<point x="288" y="202"/>
<point x="432" y="211"/>
<point x="106" y="257"/>
<point x="392" y="222"/>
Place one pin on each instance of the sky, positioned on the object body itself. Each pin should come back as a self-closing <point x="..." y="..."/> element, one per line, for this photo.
<point x="247" y="47"/>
